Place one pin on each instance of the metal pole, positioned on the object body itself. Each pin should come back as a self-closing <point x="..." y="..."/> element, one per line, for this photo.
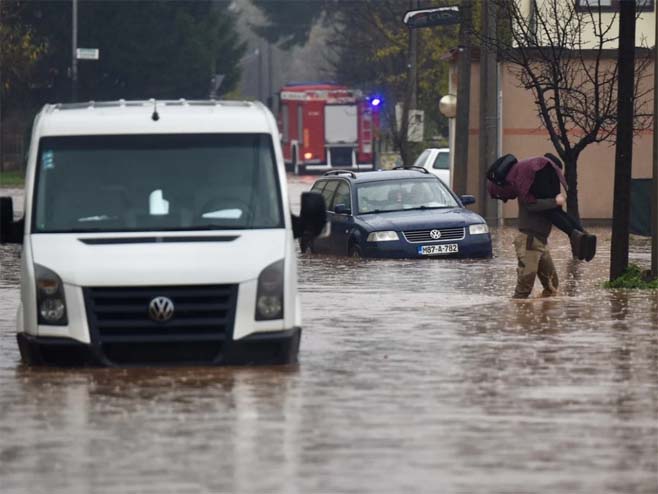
<point x="260" y="71"/>
<point x="74" y="52"/>
<point x="624" y="147"/>
<point x="2" y="131"/>
<point x="413" y="69"/>
<point x="270" y="99"/>
<point x="654" y="191"/>
<point x="460" y="179"/>
<point x="488" y="138"/>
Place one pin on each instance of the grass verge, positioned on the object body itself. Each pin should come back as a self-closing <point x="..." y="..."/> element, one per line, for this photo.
<point x="634" y="278"/>
<point x="12" y="179"/>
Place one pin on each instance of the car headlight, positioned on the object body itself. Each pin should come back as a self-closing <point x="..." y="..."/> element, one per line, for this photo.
<point x="269" y="296"/>
<point x="386" y="236"/>
<point x="478" y="229"/>
<point x="51" y="304"/>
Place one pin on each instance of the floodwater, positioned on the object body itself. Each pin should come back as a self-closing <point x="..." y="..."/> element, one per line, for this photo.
<point x="414" y="376"/>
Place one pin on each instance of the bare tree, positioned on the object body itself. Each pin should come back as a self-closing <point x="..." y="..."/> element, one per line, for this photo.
<point x="371" y="48"/>
<point x="565" y="53"/>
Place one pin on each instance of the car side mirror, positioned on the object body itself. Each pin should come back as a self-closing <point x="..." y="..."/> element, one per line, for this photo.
<point x="11" y="232"/>
<point x="342" y="209"/>
<point x="467" y="200"/>
<point x="313" y="216"/>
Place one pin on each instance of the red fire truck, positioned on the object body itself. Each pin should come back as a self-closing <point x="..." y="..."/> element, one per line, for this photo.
<point x="325" y="126"/>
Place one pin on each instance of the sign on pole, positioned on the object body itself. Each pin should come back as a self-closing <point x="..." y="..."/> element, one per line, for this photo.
<point x="87" y="53"/>
<point x="440" y="16"/>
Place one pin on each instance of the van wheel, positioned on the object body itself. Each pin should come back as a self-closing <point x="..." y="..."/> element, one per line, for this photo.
<point x="355" y="251"/>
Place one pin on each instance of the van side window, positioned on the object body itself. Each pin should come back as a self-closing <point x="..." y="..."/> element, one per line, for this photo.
<point x="318" y="186"/>
<point x="328" y="192"/>
<point x="342" y="196"/>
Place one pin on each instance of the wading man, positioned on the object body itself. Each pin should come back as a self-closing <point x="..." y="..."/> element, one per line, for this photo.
<point x="531" y="245"/>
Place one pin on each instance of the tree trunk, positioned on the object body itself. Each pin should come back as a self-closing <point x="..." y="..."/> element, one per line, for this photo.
<point x="624" y="148"/>
<point x="571" y="173"/>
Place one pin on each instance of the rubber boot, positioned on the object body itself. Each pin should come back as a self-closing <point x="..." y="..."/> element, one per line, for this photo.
<point x="589" y="243"/>
<point x="577" y="244"/>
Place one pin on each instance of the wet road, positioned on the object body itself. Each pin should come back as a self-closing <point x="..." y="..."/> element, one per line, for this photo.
<point x="414" y="376"/>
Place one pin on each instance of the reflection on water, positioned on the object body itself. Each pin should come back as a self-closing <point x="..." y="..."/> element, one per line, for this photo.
<point x="417" y="375"/>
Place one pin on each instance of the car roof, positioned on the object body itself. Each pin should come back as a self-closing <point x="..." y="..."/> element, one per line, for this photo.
<point x="378" y="175"/>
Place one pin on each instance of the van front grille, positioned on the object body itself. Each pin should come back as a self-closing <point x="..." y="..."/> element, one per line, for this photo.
<point x="119" y="317"/>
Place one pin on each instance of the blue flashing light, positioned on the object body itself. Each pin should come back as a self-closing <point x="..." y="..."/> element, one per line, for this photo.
<point x="375" y="102"/>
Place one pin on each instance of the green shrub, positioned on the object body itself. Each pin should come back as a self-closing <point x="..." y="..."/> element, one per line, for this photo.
<point x="634" y="278"/>
<point x="11" y="179"/>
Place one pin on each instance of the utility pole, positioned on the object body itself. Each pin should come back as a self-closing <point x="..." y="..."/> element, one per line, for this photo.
<point x="624" y="147"/>
<point x="260" y="70"/>
<point x="2" y="133"/>
<point x="463" y="101"/>
<point x="413" y="55"/>
<point x="654" y="182"/>
<point x="270" y="100"/>
<point x="74" y="51"/>
<point x="488" y="148"/>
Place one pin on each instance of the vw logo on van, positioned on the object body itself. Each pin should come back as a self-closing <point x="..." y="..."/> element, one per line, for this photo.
<point x="161" y="309"/>
<point x="435" y="234"/>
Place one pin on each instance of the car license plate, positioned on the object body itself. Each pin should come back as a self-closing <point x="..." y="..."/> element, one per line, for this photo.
<point x="430" y="250"/>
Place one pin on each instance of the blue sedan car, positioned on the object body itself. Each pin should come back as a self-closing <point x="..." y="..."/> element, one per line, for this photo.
<point x="402" y="213"/>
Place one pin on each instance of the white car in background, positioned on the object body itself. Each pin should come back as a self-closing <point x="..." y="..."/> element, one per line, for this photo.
<point x="436" y="161"/>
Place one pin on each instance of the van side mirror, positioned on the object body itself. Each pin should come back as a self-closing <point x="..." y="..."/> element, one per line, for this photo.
<point x="11" y="232"/>
<point x="467" y="200"/>
<point x="313" y="216"/>
<point x="342" y="209"/>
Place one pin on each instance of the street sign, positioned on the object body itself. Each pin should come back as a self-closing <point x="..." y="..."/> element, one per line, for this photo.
<point x="87" y="53"/>
<point x="440" y="16"/>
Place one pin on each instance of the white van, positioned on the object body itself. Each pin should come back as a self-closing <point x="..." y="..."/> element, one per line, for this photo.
<point x="158" y="232"/>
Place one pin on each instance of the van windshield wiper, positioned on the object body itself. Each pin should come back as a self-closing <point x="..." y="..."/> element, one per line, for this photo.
<point x="212" y="227"/>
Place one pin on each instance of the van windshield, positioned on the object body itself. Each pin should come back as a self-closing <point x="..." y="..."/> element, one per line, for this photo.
<point x="156" y="182"/>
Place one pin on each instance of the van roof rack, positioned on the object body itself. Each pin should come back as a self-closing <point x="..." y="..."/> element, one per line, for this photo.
<point x="413" y="168"/>
<point x="339" y="172"/>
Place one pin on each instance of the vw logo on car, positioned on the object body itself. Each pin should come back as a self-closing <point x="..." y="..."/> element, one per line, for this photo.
<point x="161" y="309"/>
<point x="435" y="234"/>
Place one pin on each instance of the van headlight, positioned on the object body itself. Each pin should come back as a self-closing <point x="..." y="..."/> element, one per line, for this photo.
<point x="385" y="236"/>
<point x="269" y="296"/>
<point x="478" y="229"/>
<point x="51" y="304"/>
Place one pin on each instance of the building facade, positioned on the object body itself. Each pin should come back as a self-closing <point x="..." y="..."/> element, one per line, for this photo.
<point x="520" y="130"/>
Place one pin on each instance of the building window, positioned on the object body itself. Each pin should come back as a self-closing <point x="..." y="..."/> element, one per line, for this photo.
<point x="612" y="5"/>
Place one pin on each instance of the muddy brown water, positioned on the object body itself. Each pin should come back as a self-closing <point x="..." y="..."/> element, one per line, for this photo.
<point x="414" y="376"/>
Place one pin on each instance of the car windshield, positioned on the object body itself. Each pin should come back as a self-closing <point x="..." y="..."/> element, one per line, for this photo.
<point x="156" y="182"/>
<point x="398" y="195"/>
